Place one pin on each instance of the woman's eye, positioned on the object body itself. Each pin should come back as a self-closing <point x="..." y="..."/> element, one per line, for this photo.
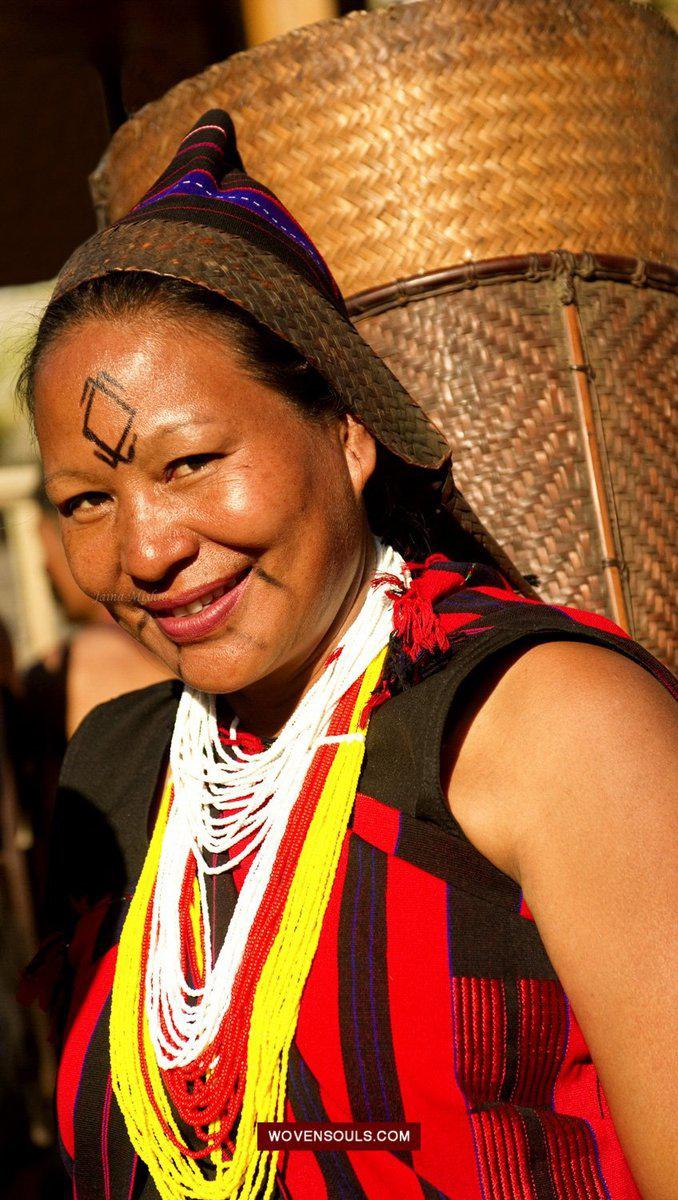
<point x="82" y="505"/>
<point x="182" y="467"/>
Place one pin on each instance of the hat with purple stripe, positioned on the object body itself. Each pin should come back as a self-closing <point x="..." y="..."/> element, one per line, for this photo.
<point x="206" y="184"/>
<point x="206" y="221"/>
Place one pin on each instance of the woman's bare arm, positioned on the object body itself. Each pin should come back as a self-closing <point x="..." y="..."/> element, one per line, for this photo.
<point x="565" y="775"/>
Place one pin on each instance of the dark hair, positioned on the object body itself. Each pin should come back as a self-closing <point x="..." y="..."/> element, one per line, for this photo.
<point x="400" y="499"/>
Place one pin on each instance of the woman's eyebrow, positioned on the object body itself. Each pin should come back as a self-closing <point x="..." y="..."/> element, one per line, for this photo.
<point x="183" y="423"/>
<point x="72" y="473"/>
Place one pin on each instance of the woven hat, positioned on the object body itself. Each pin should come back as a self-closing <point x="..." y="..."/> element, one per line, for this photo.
<point x="207" y="222"/>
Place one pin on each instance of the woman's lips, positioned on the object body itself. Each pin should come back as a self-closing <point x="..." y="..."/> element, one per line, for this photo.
<point x="194" y="626"/>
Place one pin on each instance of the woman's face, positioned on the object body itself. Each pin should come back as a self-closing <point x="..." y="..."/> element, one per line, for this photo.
<point x="218" y="524"/>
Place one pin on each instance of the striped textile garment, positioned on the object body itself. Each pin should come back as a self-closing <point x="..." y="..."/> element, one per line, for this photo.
<point x="431" y="997"/>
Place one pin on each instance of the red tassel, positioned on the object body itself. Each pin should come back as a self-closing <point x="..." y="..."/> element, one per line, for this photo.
<point x="416" y="624"/>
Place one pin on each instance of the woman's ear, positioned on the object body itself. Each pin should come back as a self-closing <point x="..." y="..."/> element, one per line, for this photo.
<point x="360" y="449"/>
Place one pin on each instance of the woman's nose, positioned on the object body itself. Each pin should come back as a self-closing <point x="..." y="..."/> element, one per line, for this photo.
<point x="154" y="544"/>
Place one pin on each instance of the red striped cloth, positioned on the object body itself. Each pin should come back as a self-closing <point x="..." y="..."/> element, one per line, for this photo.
<point x="431" y="997"/>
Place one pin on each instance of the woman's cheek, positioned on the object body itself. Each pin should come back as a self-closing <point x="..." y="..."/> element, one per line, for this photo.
<point x="91" y="556"/>
<point x="251" y="506"/>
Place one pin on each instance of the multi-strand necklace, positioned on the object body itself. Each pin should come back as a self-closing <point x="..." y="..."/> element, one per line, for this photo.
<point x="212" y="1031"/>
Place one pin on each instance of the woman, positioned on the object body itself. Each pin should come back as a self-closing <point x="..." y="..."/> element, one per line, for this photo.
<point x="396" y="826"/>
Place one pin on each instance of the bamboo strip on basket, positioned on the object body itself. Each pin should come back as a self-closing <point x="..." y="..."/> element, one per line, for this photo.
<point x="612" y="567"/>
<point x="631" y="342"/>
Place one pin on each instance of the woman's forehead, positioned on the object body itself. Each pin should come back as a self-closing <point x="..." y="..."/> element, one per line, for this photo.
<point x="142" y="363"/>
<point x="143" y="340"/>
<point x="108" y="387"/>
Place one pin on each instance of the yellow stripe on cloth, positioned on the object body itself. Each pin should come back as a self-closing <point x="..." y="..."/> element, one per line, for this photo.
<point x="250" y="1173"/>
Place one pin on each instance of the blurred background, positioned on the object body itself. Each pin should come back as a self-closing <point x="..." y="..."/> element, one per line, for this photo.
<point x="72" y="72"/>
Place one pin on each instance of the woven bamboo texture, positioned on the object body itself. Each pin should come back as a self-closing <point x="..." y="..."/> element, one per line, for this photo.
<point x="632" y="346"/>
<point x="430" y="133"/>
<point x="491" y="366"/>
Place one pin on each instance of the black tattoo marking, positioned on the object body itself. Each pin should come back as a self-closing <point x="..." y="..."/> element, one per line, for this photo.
<point x="268" y="578"/>
<point x="100" y="397"/>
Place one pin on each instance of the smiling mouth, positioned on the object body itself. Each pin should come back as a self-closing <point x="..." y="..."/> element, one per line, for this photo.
<point x="199" y="614"/>
<point x="189" y="610"/>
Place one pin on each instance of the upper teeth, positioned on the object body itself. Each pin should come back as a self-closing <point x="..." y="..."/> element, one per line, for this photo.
<point x="187" y="610"/>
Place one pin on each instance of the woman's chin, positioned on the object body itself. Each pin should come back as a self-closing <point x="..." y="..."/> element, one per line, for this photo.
<point x="211" y="667"/>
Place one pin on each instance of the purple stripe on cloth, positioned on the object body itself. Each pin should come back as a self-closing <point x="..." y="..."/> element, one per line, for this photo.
<point x="354" y="982"/>
<point x="243" y="197"/>
<point x="105" y="1117"/>
<point x="396" y="847"/>
<point x="133" y="1176"/>
<point x="386" y="1115"/>
<point x="191" y="206"/>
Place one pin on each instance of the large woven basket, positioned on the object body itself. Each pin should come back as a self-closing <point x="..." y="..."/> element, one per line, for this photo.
<point x="492" y="182"/>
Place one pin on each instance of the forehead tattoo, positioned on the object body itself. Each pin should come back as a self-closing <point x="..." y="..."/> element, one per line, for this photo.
<point x="105" y="407"/>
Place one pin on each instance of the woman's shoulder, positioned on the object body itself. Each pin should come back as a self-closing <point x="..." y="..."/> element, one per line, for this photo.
<point x="99" y="830"/>
<point x="460" y="631"/>
<point x="109" y="777"/>
<point x="547" y="728"/>
<point x="121" y="737"/>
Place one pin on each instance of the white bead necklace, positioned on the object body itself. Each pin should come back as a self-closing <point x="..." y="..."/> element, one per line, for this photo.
<point x="222" y="796"/>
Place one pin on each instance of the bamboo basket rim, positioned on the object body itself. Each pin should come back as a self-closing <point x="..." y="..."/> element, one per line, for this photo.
<point x="552" y="265"/>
